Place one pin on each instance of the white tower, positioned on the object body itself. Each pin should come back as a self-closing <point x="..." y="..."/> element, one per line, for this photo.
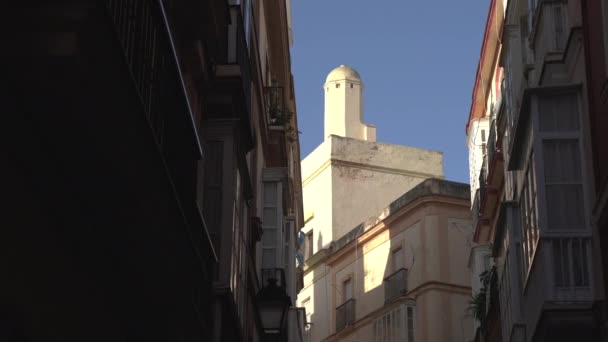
<point x="344" y="105"/>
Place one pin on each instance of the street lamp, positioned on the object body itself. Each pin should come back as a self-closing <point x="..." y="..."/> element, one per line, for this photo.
<point x="273" y="303"/>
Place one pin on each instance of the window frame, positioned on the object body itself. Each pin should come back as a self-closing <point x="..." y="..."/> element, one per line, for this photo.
<point x="348" y="281"/>
<point x="278" y="227"/>
<point x="397" y="324"/>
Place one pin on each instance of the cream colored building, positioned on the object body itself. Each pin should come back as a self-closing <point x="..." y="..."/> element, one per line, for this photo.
<point x="400" y="276"/>
<point x="350" y="176"/>
<point x="403" y="270"/>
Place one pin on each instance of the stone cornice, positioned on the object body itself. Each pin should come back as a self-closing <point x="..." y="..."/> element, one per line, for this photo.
<point x="340" y="162"/>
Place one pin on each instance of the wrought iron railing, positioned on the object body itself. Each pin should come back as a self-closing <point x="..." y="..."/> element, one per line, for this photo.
<point x="238" y="51"/>
<point x="491" y="147"/>
<point x="482" y="180"/>
<point x="143" y="32"/>
<point x="345" y="314"/>
<point x="276" y="111"/>
<point x="571" y="262"/>
<point x="395" y="284"/>
<point x="475" y="210"/>
<point x="274" y="275"/>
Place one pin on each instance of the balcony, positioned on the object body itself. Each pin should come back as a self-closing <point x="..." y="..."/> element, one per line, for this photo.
<point x="276" y="275"/>
<point x="233" y="78"/>
<point x="480" y="220"/>
<point x="143" y="32"/>
<point x="492" y="150"/>
<point x="395" y="285"/>
<point x="475" y="210"/>
<point x="560" y="288"/>
<point x="571" y="259"/>
<point x="276" y="111"/>
<point x="345" y="314"/>
<point x="494" y="165"/>
<point x="482" y="183"/>
<point x="550" y="30"/>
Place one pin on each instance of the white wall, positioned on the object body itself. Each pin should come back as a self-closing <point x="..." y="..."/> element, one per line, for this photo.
<point x="346" y="181"/>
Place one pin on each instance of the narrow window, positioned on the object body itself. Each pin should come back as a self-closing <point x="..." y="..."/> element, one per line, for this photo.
<point x="351" y="85"/>
<point x="337" y="85"/>
<point x="347" y="289"/>
<point x="397" y="259"/>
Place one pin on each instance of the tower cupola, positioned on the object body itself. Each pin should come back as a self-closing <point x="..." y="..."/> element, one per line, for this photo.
<point x="343" y="91"/>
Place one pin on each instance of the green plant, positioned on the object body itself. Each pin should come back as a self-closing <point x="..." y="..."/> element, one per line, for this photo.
<point x="478" y="304"/>
<point x="280" y="117"/>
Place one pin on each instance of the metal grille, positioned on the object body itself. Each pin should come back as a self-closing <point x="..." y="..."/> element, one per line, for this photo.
<point x="143" y="33"/>
<point x="395" y="285"/>
<point x="345" y="314"/>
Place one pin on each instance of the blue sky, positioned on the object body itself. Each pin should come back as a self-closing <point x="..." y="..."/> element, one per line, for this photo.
<point x="417" y="60"/>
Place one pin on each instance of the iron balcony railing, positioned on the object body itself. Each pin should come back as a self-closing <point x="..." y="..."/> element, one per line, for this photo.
<point x="395" y="284"/>
<point x="143" y="32"/>
<point x="276" y="111"/>
<point x="482" y="180"/>
<point x="491" y="147"/>
<point x="345" y="314"/>
<point x="475" y="210"/>
<point x="143" y="35"/>
<point x="238" y="52"/>
<point x="276" y="275"/>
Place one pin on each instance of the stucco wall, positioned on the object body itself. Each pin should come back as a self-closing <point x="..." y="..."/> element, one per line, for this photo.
<point x="345" y="181"/>
<point x="435" y="238"/>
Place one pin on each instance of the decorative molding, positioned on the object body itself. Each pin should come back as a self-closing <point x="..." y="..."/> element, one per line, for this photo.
<point x="339" y="162"/>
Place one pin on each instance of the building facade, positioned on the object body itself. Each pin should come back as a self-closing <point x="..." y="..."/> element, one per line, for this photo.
<point x="349" y="166"/>
<point x="537" y="199"/>
<point x="399" y="276"/>
<point x="375" y="216"/>
<point x="595" y="31"/>
<point x="165" y="200"/>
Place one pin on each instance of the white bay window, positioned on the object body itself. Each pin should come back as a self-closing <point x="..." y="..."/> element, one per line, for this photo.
<point x="553" y="205"/>
<point x="272" y="223"/>
<point x="397" y="325"/>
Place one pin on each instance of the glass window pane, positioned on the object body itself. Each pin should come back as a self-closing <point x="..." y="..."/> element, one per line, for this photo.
<point x="270" y="217"/>
<point x="269" y="237"/>
<point x="269" y="259"/>
<point x="270" y="193"/>
<point x="579" y="253"/>
<point x="562" y="160"/>
<point x="410" y="324"/>
<point x="565" y="206"/>
<point x="558" y="113"/>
